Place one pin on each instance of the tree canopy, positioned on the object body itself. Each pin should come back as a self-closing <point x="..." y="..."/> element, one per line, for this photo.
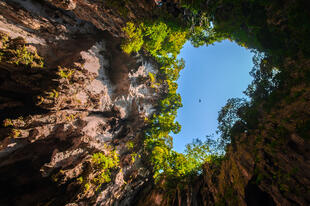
<point x="250" y="24"/>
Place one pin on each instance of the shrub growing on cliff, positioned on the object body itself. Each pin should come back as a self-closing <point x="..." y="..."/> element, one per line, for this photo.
<point x="104" y="163"/>
<point x="14" y="51"/>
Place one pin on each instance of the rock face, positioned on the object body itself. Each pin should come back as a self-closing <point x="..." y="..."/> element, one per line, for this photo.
<point x="67" y="92"/>
<point x="87" y="98"/>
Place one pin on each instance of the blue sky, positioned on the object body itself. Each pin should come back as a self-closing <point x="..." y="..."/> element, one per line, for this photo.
<point x="212" y="74"/>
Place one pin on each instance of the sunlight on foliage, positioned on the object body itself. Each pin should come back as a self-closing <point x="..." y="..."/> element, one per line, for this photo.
<point x="102" y="167"/>
<point x="15" y="51"/>
<point x="164" y="42"/>
<point x="134" y="40"/>
<point x="65" y="73"/>
<point x="156" y="38"/>
<point x="277" y="39"/>
<point x="130" y="145"/>
<point x="104" y="163"/>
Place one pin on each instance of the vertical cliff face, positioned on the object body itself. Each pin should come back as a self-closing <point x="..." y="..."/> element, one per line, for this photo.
<point x="67" y="93"/>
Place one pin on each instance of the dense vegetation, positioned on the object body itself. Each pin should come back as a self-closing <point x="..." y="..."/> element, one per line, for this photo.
<point x="272" y="33"/>
<point x="163" y="39"/>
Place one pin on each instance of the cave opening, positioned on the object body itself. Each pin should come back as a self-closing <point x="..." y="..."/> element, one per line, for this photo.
<point x="211" y="76"/>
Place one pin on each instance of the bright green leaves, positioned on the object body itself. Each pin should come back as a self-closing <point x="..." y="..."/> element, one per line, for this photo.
<point x="197" y="151"/>
<point x="134" y="40"/>
<point x="164" y="43"/>
<point x="154" y="83"/>
<point x="155" y="34"/>
<point x="158" y="142"/>
<point x="165" y="122"/>
<point x="105" y="161"/>
<point x="205" y="36"/>
<point x="171" y="103"/>
<point x="152" y="77"/>
<point x="181" y="166"/>
<point x="104" y="164"/>
<point x="156" y="38"/>
<point x="174" y="43"/>
<point x="102" y="167"/>
<point x="171" y="68"/>
<point x="158" y="158"/>
<point x="65" y="73"/>
<point x="190" y="163"/>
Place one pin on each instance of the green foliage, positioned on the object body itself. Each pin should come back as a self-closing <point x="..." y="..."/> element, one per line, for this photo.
<point x="104" y="164"/>
<point x="164" y="43"/>
<point x="197" y="151"/>
<point x="152" y="77"/>
<point x="80" y="180"/>
<point x="65" y="73"/>
<point x="23" y="56"/>
<point x="156" y="34"/>
<point x="134" y="40"/>
<point x="157" y="38"/>
<point x="71" y="117"/>
<point x="130" y="145"/>
<point x="103" y="177"/>
<point x="14" y="51"/>
<point x="86" y="187"/>
<point x="190" y="163"/>
<point x="252" y="24"/>
<point x="205" y="36"/>
<point x="153" y="80"/>
<point x="53" y="94"/>
<point x="248" y="23"/>
<point x="228" y="117"/>
<point x="164" y="39"/>
<point x="133" y="157"/>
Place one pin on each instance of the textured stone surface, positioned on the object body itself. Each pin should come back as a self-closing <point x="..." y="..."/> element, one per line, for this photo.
<point x="65" y="120"/>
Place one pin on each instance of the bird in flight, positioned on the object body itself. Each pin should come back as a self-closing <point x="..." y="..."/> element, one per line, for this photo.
<point x="199" y="100"/>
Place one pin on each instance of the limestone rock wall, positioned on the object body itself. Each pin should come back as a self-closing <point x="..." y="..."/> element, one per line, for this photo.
<point x="87" y="97"/>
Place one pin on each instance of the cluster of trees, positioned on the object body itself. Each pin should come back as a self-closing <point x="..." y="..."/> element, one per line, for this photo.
<point x="164" y="40"/>
<point x="158" y="38"/>
<point x="252" y="24"/>
<point x="261" y="25"/>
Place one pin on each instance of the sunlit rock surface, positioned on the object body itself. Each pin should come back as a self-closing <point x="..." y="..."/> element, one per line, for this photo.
<point x="104" y="102"/>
